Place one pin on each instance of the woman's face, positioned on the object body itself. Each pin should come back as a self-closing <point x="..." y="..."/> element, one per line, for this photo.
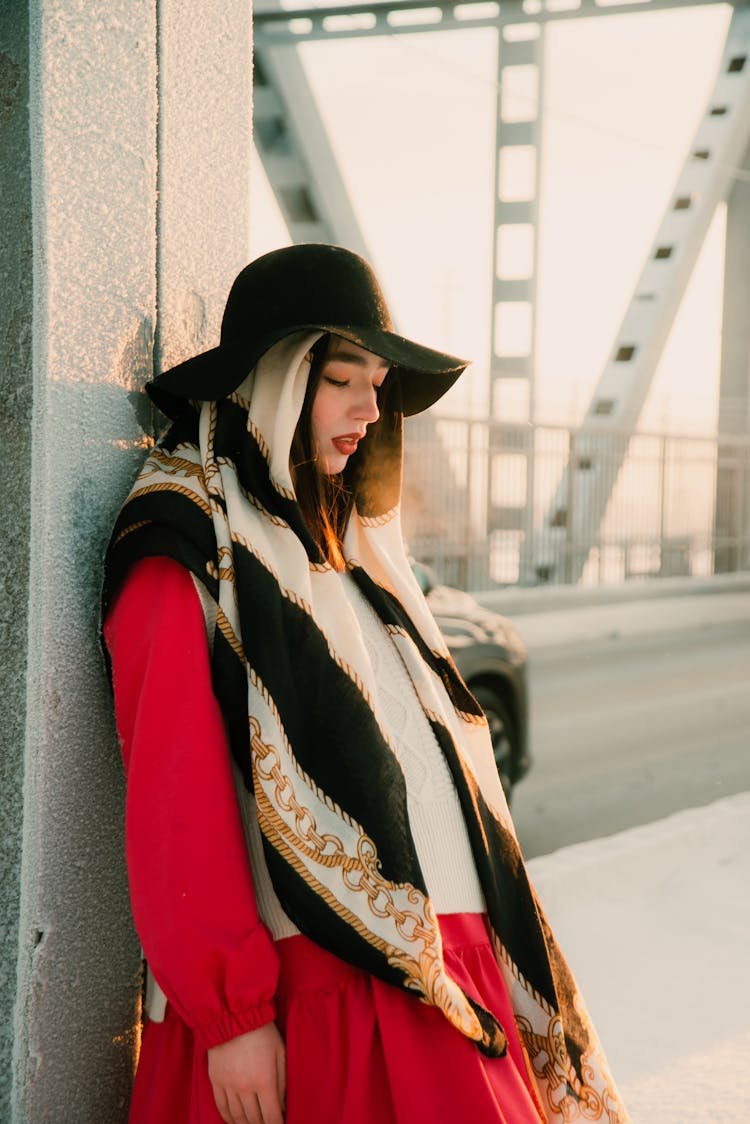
<point x="345" y="402"/>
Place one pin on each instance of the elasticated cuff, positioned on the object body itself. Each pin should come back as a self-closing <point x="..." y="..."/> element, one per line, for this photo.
<point x="233" y="1023"/>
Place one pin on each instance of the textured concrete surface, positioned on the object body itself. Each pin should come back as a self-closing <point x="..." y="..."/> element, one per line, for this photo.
<point x="205" y="139"/>
<point x="15" y="423"/>
<point x="134" y="147"/>
<point x="93" y="151"/>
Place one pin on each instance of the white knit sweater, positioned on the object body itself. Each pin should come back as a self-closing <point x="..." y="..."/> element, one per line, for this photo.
<point x="437" y="823"/>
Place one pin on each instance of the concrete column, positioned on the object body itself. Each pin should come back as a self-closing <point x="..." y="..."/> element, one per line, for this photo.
<point x="93" y="172"/>
<point x="15" y="424"/>
<point x="103" y="132"/>
<point x="205" y="138"/>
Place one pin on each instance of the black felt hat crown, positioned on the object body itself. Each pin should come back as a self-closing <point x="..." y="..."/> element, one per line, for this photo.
<point x="297" y="288"/>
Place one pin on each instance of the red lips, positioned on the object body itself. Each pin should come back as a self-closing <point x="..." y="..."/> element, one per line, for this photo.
<point x="347" y="443"/>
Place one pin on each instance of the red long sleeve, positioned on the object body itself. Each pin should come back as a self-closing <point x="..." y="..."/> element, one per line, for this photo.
<point x="190" y="879"/>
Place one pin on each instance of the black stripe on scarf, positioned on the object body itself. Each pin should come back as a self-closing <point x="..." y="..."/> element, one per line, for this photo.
<point x="319" y="704"/>
<point x="512" y="904"/>
<point x="159" y="523"/>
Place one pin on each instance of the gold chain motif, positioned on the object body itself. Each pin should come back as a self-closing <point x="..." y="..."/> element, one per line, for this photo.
<point x="422" y="967"/>
<point x="171" y="465"/>
<point x="566" y="1095"/>
<point x="130" y="529"/>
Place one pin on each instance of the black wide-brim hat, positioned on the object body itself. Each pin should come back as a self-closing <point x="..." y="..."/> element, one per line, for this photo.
<point x="302" y="288"/>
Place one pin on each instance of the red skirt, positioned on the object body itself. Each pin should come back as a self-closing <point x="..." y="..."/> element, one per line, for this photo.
<point x="358" y="1051"/>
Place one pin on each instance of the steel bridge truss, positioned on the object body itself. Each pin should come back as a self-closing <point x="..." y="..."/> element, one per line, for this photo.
<point x="300" y="163"/>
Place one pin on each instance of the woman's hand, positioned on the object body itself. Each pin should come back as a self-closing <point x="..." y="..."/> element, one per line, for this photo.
<point x="248" y="1076"/>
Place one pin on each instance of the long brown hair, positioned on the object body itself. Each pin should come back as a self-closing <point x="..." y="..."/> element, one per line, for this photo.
<point x="326" y="500"/>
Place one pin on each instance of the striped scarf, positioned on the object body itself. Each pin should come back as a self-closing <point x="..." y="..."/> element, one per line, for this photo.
<point x="296" y="687"/>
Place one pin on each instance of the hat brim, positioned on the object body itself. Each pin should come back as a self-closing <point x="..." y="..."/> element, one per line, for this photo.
<point x="426" y="375"/>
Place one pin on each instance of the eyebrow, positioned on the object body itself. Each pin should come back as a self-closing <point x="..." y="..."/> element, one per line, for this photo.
<point x="357" y="360"/>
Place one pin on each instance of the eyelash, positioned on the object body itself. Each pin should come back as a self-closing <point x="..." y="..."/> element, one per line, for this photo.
<point x="345" y="382"/>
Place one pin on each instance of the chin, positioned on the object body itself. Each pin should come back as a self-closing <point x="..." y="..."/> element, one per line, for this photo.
<point x="332" y="466"/>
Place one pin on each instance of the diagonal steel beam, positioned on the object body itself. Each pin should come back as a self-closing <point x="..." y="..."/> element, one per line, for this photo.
<point x="296" y="151"/>
<point x="573" y="521"/>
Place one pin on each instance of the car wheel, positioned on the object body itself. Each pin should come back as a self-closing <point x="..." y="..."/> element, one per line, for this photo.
<point x="501" y="733"/>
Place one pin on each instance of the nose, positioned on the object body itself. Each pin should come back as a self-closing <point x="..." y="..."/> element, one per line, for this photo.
<point x="366" y="406"/>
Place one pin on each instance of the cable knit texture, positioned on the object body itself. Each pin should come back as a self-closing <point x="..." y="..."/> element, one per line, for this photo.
<point x="435" y="815"/>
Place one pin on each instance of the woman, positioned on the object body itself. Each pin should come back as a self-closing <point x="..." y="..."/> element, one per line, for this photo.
<point x="317" y="837"/>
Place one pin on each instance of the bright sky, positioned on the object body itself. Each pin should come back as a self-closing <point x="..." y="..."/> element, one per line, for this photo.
<point x="411" y="119"/>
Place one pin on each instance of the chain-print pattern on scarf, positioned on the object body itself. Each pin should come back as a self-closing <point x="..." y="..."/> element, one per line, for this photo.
<point x="171" y="464"/>
<point x="568" y="1098"/>
<point x="422" y="967"/>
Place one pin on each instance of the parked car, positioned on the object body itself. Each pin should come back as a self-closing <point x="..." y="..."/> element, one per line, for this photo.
<point x="491" y="657"/>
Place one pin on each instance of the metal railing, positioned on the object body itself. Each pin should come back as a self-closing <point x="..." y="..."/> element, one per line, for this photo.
<point x="480" y="503"/>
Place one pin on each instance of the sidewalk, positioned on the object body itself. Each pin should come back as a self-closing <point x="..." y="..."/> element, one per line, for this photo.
<point x="655" y="923"/>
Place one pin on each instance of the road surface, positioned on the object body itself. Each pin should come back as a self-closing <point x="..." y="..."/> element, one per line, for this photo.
<point x="637" y="710"/>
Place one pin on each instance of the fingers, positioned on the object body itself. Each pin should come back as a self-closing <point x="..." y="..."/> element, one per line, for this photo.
<point x="222" y="1103"/>
<point x="248" y="1077"/>
<point x="222" y="1106"/>
<point x="281" y="1075"/>
<point x="270" y="1108"/>
<point x="245" y="1110"/>
<point x="272" y="1096"/>
<point x="263" y="1106"/>
<point x="237" y="1109"/>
